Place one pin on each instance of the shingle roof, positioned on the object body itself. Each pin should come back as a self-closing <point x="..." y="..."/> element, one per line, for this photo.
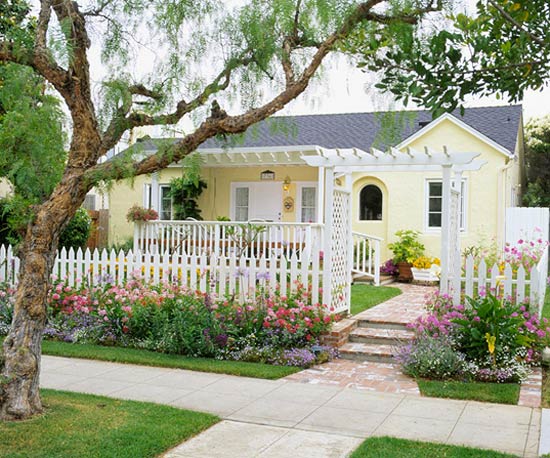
<point x="364" y="130"/>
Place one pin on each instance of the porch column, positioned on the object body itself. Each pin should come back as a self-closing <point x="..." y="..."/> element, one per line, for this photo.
<point x="455" y="238"/>
<point x="327" y="237"/>
<point x="320" y="194"/>
<point x="445" y="228"/>
<point x="349" y="261"/>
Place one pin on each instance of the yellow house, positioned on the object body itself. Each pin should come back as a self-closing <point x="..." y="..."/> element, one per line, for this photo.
<point x="264" y="176"/>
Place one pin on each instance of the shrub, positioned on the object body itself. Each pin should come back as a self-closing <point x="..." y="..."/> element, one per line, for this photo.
<point x="408" y="247"/>
<point x="389" y="268"/>
<point x="76" y="233"/>
<point x="431" y="357"/>
<point x="171" y="318"/>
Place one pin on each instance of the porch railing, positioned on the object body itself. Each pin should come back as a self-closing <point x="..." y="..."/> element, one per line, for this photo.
<point x="227" y="238"/>
<point x="366" y="256"/>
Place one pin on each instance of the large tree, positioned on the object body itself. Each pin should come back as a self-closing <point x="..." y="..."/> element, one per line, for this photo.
<point x="537" y="155"/>
<point x="502" y="48"/>
<point x="199" y="50"/>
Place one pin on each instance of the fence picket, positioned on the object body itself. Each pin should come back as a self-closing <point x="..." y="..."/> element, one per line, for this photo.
<point x="520" y="285"/>
<point x="221" y="274"/>
<point x="469" y="287"/>
<point x="508" y="275"/>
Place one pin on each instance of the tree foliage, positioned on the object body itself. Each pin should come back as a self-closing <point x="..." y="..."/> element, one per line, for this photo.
<point x="165" y="60"/>
<point x="504" y="49"/>
<point x="537" y="156"/>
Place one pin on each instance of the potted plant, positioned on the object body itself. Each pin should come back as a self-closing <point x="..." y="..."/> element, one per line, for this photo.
<point x="425" y="268"/>
<point x="405" y="251"/>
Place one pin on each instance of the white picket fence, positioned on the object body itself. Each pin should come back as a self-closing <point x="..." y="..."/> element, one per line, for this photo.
<point x="226" y="276"/>
<point x="517" y="285"/>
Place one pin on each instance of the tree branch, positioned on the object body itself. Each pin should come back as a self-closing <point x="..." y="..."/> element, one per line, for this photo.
<point x="119" y="124"/>
<point x="516" y="24"/>
<point x="212" y="126"/>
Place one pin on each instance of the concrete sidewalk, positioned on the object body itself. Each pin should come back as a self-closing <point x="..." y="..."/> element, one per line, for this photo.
<point x="282" y="418"/>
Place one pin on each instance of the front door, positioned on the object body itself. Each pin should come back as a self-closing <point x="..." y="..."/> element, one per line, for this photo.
<point x="257" y="201"/>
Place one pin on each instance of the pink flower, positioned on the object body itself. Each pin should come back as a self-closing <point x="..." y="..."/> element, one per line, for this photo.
<point x="56" y="296"/>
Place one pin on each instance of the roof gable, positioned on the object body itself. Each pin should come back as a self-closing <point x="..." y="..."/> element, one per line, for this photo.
<point x="461" y="124"/>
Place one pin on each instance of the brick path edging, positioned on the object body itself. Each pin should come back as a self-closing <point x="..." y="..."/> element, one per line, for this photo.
<point x="530" y="392"/>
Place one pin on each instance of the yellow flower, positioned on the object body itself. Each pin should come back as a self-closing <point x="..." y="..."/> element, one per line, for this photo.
<point x="491" y="340"/>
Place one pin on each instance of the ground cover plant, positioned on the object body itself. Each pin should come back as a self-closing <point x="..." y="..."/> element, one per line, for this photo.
<point x="90" y="426"/>
<point x="382" y="447"/>
<point x="364" y="297"/>
<point x="168" y="318"/>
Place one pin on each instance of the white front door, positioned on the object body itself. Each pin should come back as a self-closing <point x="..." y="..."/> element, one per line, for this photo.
<point x="257" y="200"/>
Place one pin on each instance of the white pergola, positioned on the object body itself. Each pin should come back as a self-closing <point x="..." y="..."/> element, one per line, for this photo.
<point x="344" y="161"/>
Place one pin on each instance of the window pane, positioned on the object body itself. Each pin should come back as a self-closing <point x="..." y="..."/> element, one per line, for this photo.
<point x="370" y="203"/>
<point x="241" y="197"/>
<point x="308" y="197"/>
<point x="436" y="189"/>
<point x="241" y="213"/>
<point x="434" y="220"/>
<point x="435" y="204"/>
<point x="308" y="215"/>
<point x="165" y="203"/>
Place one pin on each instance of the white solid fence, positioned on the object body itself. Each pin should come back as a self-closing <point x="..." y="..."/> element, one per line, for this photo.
<point x="224" y="275"/>
<point x="517" y="285"/>
<point x="528" y="223"/>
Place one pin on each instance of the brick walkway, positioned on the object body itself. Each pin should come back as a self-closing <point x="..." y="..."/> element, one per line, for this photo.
<point x="369" y="376"/>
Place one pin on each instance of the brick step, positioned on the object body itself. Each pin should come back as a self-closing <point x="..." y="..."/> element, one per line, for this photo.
<point x="381" y="324"/>
<point x="367" y="352"/>
<point x="381" y="336"/>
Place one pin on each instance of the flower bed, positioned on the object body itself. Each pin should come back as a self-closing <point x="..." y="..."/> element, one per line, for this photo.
<point x="487" y="339"/>
<point x="269" y="328"/>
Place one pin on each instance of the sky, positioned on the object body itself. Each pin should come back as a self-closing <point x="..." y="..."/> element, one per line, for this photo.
<point x="347" y="90"/>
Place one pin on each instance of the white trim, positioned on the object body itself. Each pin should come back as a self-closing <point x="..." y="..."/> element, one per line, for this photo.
<point x="463" y="205"/>
<point x="233" y="189"/>
<point x="459" y="123"/>
<point x="299" y="186"/>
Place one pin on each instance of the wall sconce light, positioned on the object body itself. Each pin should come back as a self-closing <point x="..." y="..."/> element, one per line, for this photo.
<point x="286" y="184"/>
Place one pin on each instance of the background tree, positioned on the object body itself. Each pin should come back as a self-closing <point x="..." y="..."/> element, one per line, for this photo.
<point x="537" y="155"/>
<point x="503" y="49"/>
<point x="198" y="50"/>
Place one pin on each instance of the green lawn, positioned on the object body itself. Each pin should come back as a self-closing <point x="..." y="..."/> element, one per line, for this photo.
<point x="388" y="447"/>
<point x="86" y="426"/>
<point x="150" y="358"/>
<point x="502" y="393"/>
<point x="363" y="297"/>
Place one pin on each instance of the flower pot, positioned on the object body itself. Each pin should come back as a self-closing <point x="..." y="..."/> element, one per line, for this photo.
<point x="405" y="272"/>
<point x="427" y="275"/>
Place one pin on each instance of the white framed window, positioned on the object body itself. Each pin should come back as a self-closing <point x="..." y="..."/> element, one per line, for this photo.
<point x="165" y="202"/>
<point x="307" y="203"/>
<point x="242" y="203"/>
<point x="434" y="204"/>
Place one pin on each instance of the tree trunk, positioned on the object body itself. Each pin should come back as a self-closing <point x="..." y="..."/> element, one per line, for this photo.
<point x="19" y="396"/>
<point x="20" y="370"/>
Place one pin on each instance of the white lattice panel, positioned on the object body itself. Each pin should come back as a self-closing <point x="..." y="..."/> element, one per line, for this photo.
<point x="340" y="246"/>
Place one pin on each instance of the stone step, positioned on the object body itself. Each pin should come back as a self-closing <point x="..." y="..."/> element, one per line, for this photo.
<point x="381" y="336"/>
<point x="367" y="352"/>
<point x="381" y="324"/>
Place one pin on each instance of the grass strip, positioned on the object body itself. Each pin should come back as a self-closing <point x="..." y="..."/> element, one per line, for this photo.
<point x="364" y="297"/>
<point x="88" y="426"/>
<point x="502" y="393"/>
<point x="151" y="358"/>
<point x="385" y="447"/>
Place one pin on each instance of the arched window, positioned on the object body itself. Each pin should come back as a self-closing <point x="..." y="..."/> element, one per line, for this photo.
<point x="370" y="203"/>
